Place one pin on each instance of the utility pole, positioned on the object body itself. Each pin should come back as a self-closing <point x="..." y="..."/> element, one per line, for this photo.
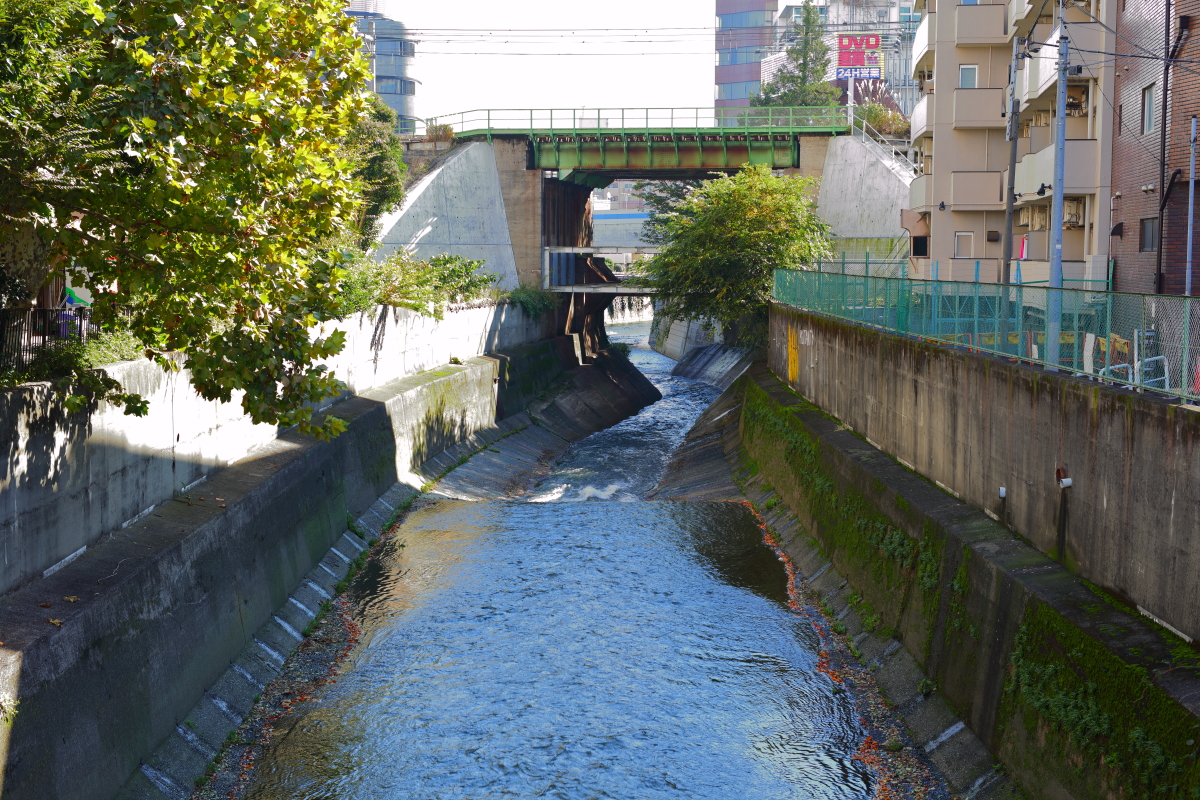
<point x="1162" y="148"/>
<point x="1054" y="300"/>
<point x="1191" y="205"/>
<point x="1012" y="132"/>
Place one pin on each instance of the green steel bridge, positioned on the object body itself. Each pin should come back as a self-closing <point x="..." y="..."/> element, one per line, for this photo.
<point x="593" y="147"/>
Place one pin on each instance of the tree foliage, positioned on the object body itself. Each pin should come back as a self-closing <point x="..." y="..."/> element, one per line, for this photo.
<point x="723" y="243"/>
<point x="194" y="176"/>
<point x="662" y="198"/>
<point x="378" y="158"/>
<point x="402" y="281"/>
<point x="801" y="81"/>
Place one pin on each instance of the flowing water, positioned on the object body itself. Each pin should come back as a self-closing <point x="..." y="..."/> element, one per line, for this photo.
<point x="561" y="649"/>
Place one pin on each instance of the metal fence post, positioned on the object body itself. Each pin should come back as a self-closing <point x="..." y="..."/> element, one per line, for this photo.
<point x="1185" y="386"/>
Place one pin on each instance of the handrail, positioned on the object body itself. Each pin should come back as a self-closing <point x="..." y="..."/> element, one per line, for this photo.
<point x="548" y="120"/>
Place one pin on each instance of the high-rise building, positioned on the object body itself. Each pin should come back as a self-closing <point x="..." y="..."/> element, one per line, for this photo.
<point x="957" y="205"/>
<point x="752" y="36"/>
<point x="390" y="50"/>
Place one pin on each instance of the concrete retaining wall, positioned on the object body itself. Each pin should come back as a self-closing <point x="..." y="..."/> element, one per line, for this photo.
<point x="67" y="481"/>
<point x="860" y="197"/>
<point x="458" y="208"/>
<point x="162" y="608"/>
<point x="974" y="423"/>
<point x="676" y="338"/>
<point x="1041" y="667"/>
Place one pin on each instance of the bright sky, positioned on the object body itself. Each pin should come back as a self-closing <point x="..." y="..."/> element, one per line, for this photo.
<point x="459" y="69"/>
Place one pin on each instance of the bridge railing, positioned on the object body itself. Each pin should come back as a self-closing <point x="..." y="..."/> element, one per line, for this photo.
<point x="1139" y="340"/>
<point x="641" y="119"/>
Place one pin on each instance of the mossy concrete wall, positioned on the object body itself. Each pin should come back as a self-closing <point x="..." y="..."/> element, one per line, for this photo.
<point x="974" y="424"/>
<point x="1075" y="694"/>
<point x="91" y="685"/>
<point x="69" y="480"/>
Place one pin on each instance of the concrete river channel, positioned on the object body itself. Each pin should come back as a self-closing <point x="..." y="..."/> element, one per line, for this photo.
<point x="581" y="642"/>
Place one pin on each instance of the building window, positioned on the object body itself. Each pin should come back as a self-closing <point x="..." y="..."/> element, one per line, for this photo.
<point x="393" y="47"/>
<point x="1148" y="109"/>
<point x="963" y="244"/>
<point x="739" y="90"/>
<point x="395" y="86"/>
<point x="743" y="19"/>
<point x="1148" y="235"/>
<point x="968" y="2"/>
<point x="739" y="55"/>
<point x="920" y="247"/>
<point x="968" y="75"/>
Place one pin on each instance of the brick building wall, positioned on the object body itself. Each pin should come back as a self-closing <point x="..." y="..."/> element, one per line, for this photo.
<point x="1135" y="153"/>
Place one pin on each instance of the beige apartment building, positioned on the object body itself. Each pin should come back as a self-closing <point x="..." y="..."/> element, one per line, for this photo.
<point x="961" y="57"/>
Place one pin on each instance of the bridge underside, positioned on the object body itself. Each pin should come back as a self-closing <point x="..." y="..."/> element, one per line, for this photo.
<point x="596" y="159"/>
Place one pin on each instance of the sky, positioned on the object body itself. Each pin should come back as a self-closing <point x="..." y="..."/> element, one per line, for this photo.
<point x="459" y="69"/>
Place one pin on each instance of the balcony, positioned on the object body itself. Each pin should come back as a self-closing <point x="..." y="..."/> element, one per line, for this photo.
<point x="920" y="193"/>
<point x="978" y="108"/>
<point x="1081" y="169"/>
<point x="976" y="191"/>
<point x="980" y="26"/>
<point x="923" y="117"/>
<point x="1018" y="11"/>
<point x="923" y="41"/>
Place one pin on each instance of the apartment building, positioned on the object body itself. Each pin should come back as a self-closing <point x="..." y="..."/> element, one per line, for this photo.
<point x="1146" y="127"/>
<point x="961" y="56"/>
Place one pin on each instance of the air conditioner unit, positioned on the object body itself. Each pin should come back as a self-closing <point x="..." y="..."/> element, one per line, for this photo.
<point x="1039" y="218"/>
<point x="1023" y="217"/>
<point x="1072" y="212"/>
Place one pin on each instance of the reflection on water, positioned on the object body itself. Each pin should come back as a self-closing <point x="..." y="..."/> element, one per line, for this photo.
<point x="561" y="650"/>
<point x="579" y="650"/>
<point x="625" y="462"/>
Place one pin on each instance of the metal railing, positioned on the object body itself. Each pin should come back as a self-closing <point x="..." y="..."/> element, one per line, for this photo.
<point x="26" y="333"/>
<point x="893" y="153"/>
<point x="640" y="120"/>
<point x="1140" y="340"/>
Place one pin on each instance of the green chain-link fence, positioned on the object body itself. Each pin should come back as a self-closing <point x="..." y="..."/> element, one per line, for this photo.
<point x="1143" y="340"/>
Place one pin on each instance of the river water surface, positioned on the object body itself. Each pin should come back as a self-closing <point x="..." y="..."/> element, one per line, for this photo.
<point x="615" y="648"/>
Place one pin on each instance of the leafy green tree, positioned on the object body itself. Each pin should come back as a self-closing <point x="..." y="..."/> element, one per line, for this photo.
<point x="801" y="81"/>
<point x="378" y="158"/>
<point x="722" y="248"/>
<point x="662" y="199"/>
<point x="203" y="235"/>
<point x="402" y="281"/>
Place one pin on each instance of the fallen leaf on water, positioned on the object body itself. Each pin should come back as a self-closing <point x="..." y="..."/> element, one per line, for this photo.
<point x="71" y="598"/>
<point x="219" y="499"/>
<point x="43" y="605"/>
<point x="222" y="505"/>
<point x="201" y="498"/>
<point x="55" y="622"/>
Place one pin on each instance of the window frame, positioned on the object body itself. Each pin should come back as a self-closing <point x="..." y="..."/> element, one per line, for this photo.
<point x="970" y="238"/>
<point x="974" y="68"/>
<point x="1149" y="110"/>
<point x="1152" y="246"/>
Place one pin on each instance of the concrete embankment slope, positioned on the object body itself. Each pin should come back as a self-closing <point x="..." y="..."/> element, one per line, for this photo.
<point x="991" y="651"/>
<point x="139" y="657"/>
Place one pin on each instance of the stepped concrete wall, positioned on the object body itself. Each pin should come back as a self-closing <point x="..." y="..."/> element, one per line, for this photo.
<point x="975" y="423"/>
<point x="69" y="481"/>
